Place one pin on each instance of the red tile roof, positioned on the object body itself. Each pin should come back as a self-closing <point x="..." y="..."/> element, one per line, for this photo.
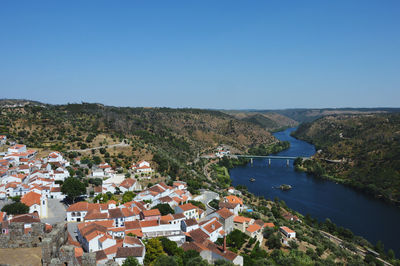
<point x="31" y="198"/>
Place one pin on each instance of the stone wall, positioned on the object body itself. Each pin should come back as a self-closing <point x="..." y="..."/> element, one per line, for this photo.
<point x="52" y="243"/>
<point x="16" y="238"/>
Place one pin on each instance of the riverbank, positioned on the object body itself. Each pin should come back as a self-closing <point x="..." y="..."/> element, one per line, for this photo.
<point x="318" y="197"/>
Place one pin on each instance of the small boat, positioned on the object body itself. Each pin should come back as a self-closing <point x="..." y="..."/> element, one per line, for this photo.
<point x="285" y="187"/>
<point x="252" y="179"/>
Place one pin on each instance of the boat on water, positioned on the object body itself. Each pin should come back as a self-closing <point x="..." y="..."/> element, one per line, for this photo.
<point x="252" y="179"/>
<point x="285" y="187"/>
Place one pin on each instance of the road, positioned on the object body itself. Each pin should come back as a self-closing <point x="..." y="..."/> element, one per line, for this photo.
<point x="207" y="197"/>
<point x="360" y="251"/>
<point x="122" y="144"/>
<point x="57" y="212"/>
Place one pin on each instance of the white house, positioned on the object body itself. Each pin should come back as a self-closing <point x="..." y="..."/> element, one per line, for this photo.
<point x="36" y="203"/>
<point x="289" y="233"/>
<point x="17" y="148"/>
<point x="189" y="210"/>
<point x="125" y="252"/>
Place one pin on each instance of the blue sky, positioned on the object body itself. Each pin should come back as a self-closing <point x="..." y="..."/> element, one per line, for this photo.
<point x="206" y="54"/>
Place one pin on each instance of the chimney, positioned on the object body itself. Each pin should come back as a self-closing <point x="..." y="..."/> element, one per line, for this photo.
<point x="224" y="247"/>
<point x="213" y="226"/>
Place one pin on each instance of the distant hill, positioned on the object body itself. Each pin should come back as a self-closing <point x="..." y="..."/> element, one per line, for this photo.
<point x="360" y="150"/>
<point x="171" y="138"/>
<point x="269" y="121"/>
<point x="308" y="115"/>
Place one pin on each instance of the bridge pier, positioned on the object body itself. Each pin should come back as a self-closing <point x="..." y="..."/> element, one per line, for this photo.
<point x="287" y="162"/>
<point x="251" y="161"/>
<point x="269" y="161"/>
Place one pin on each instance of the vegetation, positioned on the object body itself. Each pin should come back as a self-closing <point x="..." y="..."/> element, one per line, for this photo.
<point x="15" y="208"/>
<point x="359" y="150"/>
<point x="164" y="208"/>
<point x="170" y="138"/>
<point x="162" y="251"/>
<point x="131" y="261"/>
<point x="73" y="187"/>
<point x="262" y="150"/>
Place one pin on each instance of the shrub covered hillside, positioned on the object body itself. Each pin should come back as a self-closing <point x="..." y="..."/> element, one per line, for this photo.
<point x="360" y="150"/>
<point x="170" y="138"/>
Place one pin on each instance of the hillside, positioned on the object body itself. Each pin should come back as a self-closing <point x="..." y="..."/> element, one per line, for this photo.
<point x="360" y="150"/>
<point x="308" y="115"/>
<point x="170" y="137"/>
<point x="270" y="120"/>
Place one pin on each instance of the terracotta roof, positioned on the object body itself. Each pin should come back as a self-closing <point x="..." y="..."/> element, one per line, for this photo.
<point x="166" y="199"/>
<point x="113" y="249"/>
<point x="253" y="227"/>
<point x="100" y="255"/>
<point x="105" y="237"/>
<point x="225" y="213"/>
<point x="287" y="229"/>
<point x="132" y="241"/>
<point x="154" y="212"/>
<point x="241" y="219"/>
<point x="167" y="218"/>
<point x="227" y="205"/>
<point x="234" y="199"/>
<point x="198" y="235"/>
<point x="78" y="251"/>
<point x="187" y="207"/>
<point x="95" y="215"/>
<point x="25" y="218"/>
<point x="148" y="223"/>
<point x="55" y="189"/>
<point x="178" y="216"/>
<point x="127" y="212"/>
<point x="79" y="206"/>
<point x="93" y="234"/>
<point x="269" y="225"/>
<point x="115" y="213"/>
<point x="193" y="246"/>
<point x="124" y="252"/>
<point x="191" y="222"/>
<point x="132" y="225"/>
<point x="135" y="232"/>
<point x="212" y="226"/>
<point x="31" y="198"/>
<point x="128" y="182"/>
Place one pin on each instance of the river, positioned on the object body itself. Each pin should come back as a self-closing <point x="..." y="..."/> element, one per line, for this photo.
<point x="365" y="216"/>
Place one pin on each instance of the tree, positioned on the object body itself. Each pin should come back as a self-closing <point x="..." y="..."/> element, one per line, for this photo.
<point x="274" y="242"/>
<point x="15" y="208"/>
<point x="391" y="254"/>
<point x="128" y="196"/>
<point x="164" y="260"/>
<point x="154" y="249"/>
<point x="170" y="247"/>
<point x="293" y="244"/>
<point x="222" y="262"/>
<point x="131" y="261"/>
<point x="379" y="247"/>
<point x="164" y="208"/>
<point x="73" y="188"/>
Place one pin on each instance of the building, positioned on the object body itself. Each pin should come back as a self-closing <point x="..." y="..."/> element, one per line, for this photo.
<point x="125" y="252"/>
<point x="36" y="203"/>
<point x="226" y="218"/>
<point x="189" y="210"/>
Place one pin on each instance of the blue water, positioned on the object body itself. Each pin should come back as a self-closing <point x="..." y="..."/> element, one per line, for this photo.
<point x="365" y="216"/>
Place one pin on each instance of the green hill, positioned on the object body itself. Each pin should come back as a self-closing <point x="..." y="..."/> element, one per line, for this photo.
<point x="171" y="138"/>
<point x="360" y="150"/>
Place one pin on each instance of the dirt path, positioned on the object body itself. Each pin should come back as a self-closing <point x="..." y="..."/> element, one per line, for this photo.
<point x="122" y="144"/>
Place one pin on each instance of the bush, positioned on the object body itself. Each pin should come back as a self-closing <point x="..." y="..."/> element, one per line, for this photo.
<point x="15" y="208"/>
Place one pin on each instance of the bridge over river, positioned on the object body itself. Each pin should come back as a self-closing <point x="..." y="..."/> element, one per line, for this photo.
<point x="269" y="157"/>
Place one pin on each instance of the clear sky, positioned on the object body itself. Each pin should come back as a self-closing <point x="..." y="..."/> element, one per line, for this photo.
<point x="208" y="54"/>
